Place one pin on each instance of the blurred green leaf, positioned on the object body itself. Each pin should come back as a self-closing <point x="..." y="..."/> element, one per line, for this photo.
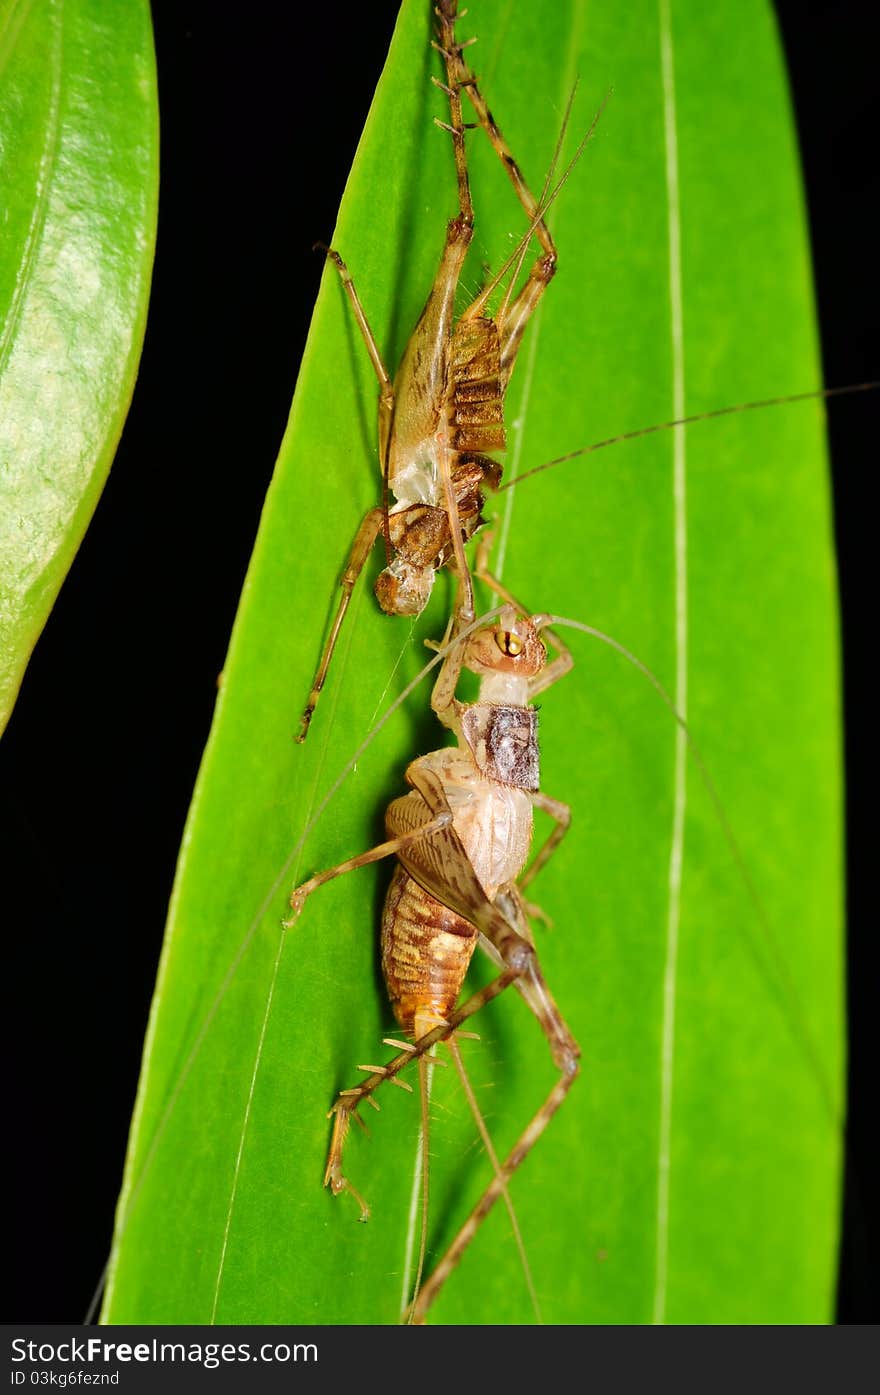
<point x="222" y="1215"/>
<point x="79" y="161"/>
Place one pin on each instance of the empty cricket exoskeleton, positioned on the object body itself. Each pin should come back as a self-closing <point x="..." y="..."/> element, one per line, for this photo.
<point x="442" y="415"/>
<point x="462" y="838"/>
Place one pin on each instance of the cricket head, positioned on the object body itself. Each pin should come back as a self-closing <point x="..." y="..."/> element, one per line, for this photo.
<point x="404" y="588"/>
<point x="510" y="645"/>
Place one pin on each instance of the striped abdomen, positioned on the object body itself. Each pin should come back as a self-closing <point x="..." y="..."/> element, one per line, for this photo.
<point x="477" y="396"/>
<point x="426" y="949"/>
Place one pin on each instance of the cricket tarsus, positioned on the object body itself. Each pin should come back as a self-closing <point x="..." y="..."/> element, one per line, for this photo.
<point x="461" y="838"/>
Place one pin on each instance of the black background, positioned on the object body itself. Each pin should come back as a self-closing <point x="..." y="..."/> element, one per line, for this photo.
<point x="118" y="699"/>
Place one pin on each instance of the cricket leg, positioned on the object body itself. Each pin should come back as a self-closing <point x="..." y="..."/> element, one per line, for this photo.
<point x="386" y="389"/>
<point x="533" y="989"/>
<point x="516" y="311"/>
<point x="561" y="814"/>
<point x="477" y="1115"/>
<point x="460" y="77"/>
<point x="392" y="848"/>
<point x="567" y="1059"/>
<point x="446" y="45"/>
<point x="347" y="1101"/>
<point x="364" y="539"/>
<point x="443" y="700"/>
<point x="464" y="607"/>
<point x="511" y="319"/>
<point x="446" y="13"/>
<point x="497" y="1187"/>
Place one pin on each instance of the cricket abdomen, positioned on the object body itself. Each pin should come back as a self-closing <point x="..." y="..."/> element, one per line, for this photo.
<point x="426" y="950"/>
<point x="477" y="394"/>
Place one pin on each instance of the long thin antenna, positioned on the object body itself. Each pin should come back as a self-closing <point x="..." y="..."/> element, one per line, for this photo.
<point x="822" y="394"/>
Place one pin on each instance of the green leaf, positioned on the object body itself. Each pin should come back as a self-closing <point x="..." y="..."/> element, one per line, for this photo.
<point x="692" y="1174"/>
<point x="79" y="160"/>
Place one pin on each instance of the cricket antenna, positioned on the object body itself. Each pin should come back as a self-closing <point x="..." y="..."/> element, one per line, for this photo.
<point x="817" y="394"/>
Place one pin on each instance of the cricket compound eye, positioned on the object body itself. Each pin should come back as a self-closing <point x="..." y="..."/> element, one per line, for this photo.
<point x="508" y="642"/>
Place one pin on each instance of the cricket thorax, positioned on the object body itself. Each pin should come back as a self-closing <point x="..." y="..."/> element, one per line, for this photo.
<point x="504" y="743"/>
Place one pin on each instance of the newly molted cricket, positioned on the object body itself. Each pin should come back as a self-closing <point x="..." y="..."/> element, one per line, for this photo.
<point x="462" y="838"/>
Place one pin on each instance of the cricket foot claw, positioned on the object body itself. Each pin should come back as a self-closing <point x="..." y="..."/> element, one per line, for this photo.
<point x="334" y="1177"/>
<point x="338" y="1182"/>
<point x="297" y="901"/>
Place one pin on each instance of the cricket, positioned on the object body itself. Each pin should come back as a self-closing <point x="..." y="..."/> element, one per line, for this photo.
<point x="462" y="837"/>
<point x="683" y="988"/>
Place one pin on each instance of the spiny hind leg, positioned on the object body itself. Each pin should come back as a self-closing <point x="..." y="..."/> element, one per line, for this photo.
<point x="566" y="1053"/>
<point x="496" y="1188"/>
<point x="345" y="1109"/>
<point x="516" y="311"/>
<point x="446" y="12"/>
<point x="446" y="15"/>
<point x="461" y="78"/>
<point x="513" y="317"/>
<point x="347" y="1102"/>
